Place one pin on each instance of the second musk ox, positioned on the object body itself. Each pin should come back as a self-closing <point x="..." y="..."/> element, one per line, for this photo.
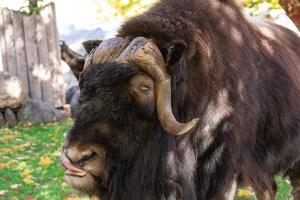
<point x="189" y="98"/>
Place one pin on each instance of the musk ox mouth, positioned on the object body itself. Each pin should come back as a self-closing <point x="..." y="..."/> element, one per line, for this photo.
<point x="87" y="184"/>
<point x="83" y="181"/>
<point x="83" y="171"/>
<point x="71" y="170"/>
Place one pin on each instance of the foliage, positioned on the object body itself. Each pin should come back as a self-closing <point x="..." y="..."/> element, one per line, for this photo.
<point x="128" y="8"/>
<point x="273" y="4"/>
<point x="29" y="9"/>
<point x="260" y="7"/>
<point x="121" y="9"/>
<point x="30" y="169"/>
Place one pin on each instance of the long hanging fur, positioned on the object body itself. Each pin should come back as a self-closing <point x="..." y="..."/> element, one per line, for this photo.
<point x="241" y="78"/>
<point x="257" y="65"/>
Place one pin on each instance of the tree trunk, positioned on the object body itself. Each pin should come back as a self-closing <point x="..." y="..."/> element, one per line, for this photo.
<point x="33" y="3"/>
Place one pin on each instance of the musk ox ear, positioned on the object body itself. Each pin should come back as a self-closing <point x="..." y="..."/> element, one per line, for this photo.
<point x="89" y="45"/>
<point x="173" y="52"/>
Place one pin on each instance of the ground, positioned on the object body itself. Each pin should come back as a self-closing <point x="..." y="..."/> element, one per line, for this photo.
<point x="30" y="168"/>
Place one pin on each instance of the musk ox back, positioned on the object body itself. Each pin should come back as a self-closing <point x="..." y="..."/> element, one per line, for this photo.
<point x="189" y="98"/>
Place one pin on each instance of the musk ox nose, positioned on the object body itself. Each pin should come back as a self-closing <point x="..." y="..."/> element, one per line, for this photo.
<point x="74" y="161"/>
<point x="80" y="160"/>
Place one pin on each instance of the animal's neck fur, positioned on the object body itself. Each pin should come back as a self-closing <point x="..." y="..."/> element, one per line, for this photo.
<point x="160" y="158"/>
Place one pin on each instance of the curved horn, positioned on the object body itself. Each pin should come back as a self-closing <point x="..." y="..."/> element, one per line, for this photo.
<point x="145" y="54"/>
<point x="108" y="50"/>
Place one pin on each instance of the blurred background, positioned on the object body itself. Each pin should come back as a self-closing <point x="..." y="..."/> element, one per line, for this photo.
<point x="29" y="152"/>
<point x="78" y="20"/>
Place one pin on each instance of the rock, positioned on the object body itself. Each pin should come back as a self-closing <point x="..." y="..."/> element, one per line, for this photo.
<point x="10" y="116"/>
<point x="70" y="93"/>
<point x="39" y="112"/>
<point x="69" y="78"/>
<point x="12" y="92"/>
<point x="61" y="115"/>
<point x="2" y="120"/>
<point x="72" y="96"/>
<point x="75" y="104"/>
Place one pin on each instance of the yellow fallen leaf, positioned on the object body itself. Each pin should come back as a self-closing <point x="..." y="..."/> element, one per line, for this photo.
<point x="18" y="147"/>
<point x="25" y="173"/>
<point x="45" y="161"/>
<point x="14" y="149"/>
<point x="2" y="165"/>
<point x="57" y="131"/>
<point x="26" y="177"/>
<point x="9" y="164"/>
<point x="6" y="150"/>
<point x="28" y="181"/>
<point x="5" y="138"/>
<point x="245" y="192"/>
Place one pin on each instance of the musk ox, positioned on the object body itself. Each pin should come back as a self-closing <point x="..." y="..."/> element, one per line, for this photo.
<point x="189" y="98"/>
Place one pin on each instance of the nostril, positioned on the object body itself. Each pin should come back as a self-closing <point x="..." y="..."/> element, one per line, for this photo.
<point x="67" y="156"/>
<point x="78" y="158"/>
<point x="86" y="158"/>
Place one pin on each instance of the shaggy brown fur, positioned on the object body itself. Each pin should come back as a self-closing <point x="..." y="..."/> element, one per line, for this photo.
<point x="257" y="64"/>
<point x="240" y="78"/>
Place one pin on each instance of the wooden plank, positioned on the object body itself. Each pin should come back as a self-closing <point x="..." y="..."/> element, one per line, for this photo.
<point x="44" y="60"/>
<point x="52" y="5"/>
<point x="20" y="50"/>
<point x="10" y="44"/>
<point x="60" y="79"/>
<point x="54" y="59"/>
<point x="4" y="65"/>
<point x="32" y="57"/>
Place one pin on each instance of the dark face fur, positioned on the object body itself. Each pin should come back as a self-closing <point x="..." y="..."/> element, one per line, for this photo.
<point x="117" y="134"/>
<point x="116" y="102"/>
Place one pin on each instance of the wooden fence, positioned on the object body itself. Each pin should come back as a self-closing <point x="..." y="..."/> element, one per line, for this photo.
<point x="30" y="50"/>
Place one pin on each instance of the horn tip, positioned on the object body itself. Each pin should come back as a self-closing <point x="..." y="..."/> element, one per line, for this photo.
<point x="189" y="126"/>
<point x="193" y="123"/>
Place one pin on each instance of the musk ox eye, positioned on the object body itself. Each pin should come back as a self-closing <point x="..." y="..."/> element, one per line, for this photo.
<point x="145" y="88"/>
<point x="141" y="88"/>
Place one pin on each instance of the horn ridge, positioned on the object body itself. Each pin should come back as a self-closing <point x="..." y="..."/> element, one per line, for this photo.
<point x="109" y="50"/>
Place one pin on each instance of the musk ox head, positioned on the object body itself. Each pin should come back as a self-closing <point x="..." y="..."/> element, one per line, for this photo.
<point x="125" y="97"/>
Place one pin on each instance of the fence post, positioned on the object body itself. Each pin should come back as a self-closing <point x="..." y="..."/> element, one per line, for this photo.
<point x="9" y="40"/>
<point x="30" y="50"/>
<point x="21" y="61"/>
<point x="3" y="43"/>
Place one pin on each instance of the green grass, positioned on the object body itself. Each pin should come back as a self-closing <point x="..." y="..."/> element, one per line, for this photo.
<point x="29" y="162"/>
<point x="30" y="169"/>
<point x="283" y="192"/>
